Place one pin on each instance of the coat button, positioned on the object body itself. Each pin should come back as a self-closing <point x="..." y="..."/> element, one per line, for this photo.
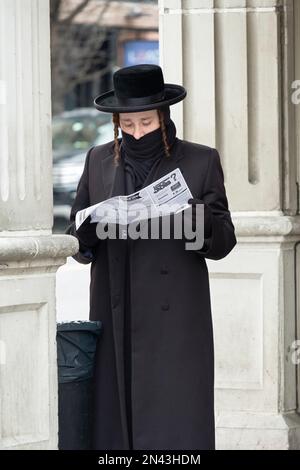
<point x="163" y="270"/>
<point x="165" y="307"/>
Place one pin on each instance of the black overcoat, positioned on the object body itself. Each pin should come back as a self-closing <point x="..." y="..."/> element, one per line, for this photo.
<point x="171" y="325"/>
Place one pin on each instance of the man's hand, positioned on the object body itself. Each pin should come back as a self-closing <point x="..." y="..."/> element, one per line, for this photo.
<point x="207" y="216"/>
<point x="87" y="232"/>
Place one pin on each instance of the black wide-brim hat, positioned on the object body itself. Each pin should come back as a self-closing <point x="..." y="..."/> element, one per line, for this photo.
<point x="139" y="88"/>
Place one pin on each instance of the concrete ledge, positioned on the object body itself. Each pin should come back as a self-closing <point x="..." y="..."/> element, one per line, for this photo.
<point x="37" y="247"/>
<point x="265" y="224"/>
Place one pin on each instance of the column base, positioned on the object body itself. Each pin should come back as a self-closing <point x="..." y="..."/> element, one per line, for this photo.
<point x="28" y="361"/>
<point x="257" y="431"/>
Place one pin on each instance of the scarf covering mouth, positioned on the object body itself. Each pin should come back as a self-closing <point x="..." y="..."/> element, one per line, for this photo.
<point x="140" y="155"/>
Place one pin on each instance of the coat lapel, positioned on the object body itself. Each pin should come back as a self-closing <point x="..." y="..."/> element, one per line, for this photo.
<point x="113" y="179"/>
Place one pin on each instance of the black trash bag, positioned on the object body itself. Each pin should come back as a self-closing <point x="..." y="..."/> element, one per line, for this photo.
<point x="76" y="346"/>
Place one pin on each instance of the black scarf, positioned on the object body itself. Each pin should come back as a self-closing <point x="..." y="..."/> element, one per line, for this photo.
<point x="140" y="155"/>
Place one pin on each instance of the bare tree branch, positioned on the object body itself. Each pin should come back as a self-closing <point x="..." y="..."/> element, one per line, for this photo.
<point x="97" y="74"/>
<point x="75" y="12"/>
<point x="54" y="10"/>
<point x="77" y="50"/>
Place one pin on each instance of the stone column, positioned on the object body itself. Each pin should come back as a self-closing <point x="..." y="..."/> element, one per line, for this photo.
<point x="237" y="61"/>
<point x="29" y="253"/>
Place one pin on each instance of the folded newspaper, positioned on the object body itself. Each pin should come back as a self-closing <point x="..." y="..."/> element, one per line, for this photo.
<point x="167" y="195"/>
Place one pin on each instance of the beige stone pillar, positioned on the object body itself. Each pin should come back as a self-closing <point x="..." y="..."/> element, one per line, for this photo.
<point x="237" y="60"/>
<point x="29" y="253"/>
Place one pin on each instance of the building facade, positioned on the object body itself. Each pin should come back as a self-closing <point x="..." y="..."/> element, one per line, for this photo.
<point x="239" y="60"/>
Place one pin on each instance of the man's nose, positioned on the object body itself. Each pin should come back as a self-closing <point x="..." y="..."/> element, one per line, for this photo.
<point x="138" y="133"/>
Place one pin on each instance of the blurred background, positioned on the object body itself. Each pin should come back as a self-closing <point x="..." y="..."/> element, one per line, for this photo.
<point x="90" y="40"/>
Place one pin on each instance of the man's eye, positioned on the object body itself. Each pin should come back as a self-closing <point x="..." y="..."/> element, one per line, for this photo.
<point x="130" y="125"/>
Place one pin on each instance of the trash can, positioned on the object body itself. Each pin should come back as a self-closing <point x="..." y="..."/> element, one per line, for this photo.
<point x="76" y="346"/>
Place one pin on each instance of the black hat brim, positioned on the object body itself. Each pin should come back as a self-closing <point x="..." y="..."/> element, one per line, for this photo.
<point x="108" y="102"/>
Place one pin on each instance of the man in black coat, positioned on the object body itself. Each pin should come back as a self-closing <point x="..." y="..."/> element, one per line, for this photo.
<point x="172" y="363"/>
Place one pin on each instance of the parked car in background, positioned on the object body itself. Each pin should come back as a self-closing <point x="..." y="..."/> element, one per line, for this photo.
<point x="73" y="133"/>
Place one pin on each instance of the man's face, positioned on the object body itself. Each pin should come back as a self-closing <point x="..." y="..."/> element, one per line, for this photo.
<point x="139" y="124"/>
